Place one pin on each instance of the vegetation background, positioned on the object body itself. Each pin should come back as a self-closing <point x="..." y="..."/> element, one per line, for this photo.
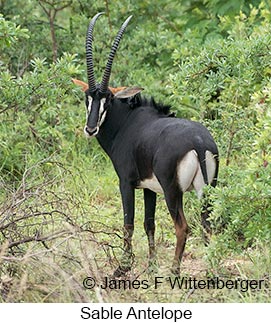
<point x="60" y="209"/>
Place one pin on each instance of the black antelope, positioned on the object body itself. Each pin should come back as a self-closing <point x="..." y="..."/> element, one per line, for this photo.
<point x="150" y="149"/>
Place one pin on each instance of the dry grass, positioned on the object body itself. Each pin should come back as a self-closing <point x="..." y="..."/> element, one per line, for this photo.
<point x="52" y="238"/>
<point x="50" y="276"/>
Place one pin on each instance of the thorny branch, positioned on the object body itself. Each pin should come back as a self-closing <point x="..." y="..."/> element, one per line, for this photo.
<point x="37" y="213"/>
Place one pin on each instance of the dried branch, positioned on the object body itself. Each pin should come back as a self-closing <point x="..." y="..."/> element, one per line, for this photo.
<point x="51" y="13"/>
<point x="40" y="238"/>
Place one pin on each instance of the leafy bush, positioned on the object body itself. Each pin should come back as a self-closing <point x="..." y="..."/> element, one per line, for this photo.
<point x="226" y="83"/>
<point x="32" y="109"/>
<point x="208" y="59"/>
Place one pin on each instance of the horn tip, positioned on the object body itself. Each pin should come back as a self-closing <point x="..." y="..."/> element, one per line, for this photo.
<point x="99" y="14"/>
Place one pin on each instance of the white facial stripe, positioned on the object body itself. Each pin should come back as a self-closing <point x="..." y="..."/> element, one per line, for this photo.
<point x="101" y="107"/>
<point x="89" y="103"/>
<point x="102" y="112"/>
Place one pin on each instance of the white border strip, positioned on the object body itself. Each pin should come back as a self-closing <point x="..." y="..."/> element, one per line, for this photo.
<point x="152" y="312"/>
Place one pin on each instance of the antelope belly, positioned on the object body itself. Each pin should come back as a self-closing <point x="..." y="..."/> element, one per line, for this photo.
<point x="152" y="184"/>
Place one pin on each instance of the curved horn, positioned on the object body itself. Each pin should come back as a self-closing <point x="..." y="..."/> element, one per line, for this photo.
<point x="89" y="38"/>
<point x="107" y="72"/>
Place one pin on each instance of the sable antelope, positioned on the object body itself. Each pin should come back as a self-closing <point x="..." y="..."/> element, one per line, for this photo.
<point x="150" y="149"/>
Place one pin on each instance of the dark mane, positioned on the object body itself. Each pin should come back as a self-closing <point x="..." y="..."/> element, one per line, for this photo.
<point x="141" y="101"/>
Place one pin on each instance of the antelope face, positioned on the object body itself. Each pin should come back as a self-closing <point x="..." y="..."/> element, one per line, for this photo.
<point x="96" y="109"/>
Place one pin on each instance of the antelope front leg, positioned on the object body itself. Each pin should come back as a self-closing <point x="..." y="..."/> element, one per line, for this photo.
<point x="128" y="202"/>
<point x="149" y="223"/>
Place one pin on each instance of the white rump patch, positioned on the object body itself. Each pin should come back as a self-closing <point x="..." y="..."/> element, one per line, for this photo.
<point x="210" y="166"/>
<point x="152" y="184"/>
<point x="187" y="169"/>
<point x="189" y="172"/>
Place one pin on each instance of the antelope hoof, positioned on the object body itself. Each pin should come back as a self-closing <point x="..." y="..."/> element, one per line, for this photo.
<point x="206" y="238"/>
<point x="175" y="271"/>
<point x="121" y="271"/>
<point x="152" y="268"/>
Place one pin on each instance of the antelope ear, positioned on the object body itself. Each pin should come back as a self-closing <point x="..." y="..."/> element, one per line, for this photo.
<point x="83" y="85"/>
<point x="127" y="92"/>
<point x="115" y="90"/>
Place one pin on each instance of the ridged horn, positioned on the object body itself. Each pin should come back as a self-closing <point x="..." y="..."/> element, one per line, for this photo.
<point x="107" y="72"/>
<point x="89" y="58"/>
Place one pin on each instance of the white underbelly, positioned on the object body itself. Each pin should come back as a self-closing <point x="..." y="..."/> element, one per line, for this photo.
<point x="152" y="184"/>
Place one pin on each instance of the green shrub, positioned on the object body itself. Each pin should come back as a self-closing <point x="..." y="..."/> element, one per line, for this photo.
<point x="226" y="83"/>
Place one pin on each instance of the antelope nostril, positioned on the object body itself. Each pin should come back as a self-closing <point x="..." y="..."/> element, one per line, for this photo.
<point x="91" y="131"/>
